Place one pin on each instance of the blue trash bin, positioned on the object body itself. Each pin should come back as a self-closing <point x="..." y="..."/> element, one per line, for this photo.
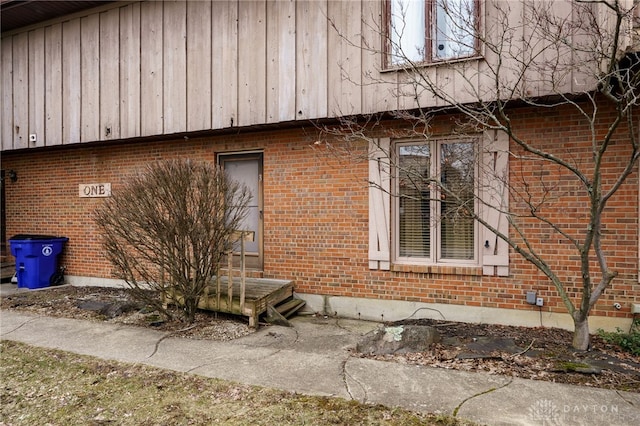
<point x="36" y="258"/>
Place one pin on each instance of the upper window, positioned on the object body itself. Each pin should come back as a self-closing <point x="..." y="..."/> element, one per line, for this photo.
<point x="435" y="184"/>
<point x="431" y="30"/>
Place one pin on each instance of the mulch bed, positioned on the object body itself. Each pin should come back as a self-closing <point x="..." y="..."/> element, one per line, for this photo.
<point x="532" y="353"/>
<point x="538" y="353"/>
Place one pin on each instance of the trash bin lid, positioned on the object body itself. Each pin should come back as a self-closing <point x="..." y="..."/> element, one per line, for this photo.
<point x="33" y="237"/>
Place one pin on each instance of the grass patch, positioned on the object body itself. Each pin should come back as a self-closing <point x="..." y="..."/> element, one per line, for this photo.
<point x="44" y="386"/>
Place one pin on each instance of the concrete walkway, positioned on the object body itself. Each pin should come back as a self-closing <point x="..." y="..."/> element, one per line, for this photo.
<point x="313" y="358"/>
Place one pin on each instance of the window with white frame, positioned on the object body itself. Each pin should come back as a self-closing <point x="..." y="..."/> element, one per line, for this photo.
<point x="431" y="30"/>
<point x="435" y="202"/>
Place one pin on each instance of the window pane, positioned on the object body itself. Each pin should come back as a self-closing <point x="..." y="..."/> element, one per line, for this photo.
<point x="247" y="172"/>
<point x="455" y="29"/>
<point x="414" y="162"/>
<point x="407" y="32"/>
<point x="457" y="201"/>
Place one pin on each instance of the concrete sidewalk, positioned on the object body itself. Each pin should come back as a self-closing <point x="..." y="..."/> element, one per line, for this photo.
<point x="313" y="358"/>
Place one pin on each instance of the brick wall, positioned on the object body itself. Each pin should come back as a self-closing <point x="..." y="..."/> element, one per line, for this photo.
<point x="563" y="132"/>
<point x="316" y="214"/>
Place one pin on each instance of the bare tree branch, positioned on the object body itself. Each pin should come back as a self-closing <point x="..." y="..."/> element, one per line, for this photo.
<point x="548" y="56"/>
<point x="168" y="229"/>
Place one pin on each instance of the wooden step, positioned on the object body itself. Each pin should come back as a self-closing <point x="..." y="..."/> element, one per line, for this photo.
<point x="278" y="314"/>
<point x="274" y="317"/>
<point x="290" y="307"/>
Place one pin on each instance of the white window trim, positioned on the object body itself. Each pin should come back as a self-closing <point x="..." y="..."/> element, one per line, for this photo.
<point x="434" y="259"/>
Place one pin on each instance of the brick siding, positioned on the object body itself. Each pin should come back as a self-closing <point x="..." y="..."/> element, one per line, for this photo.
<point x="316" y="214"/>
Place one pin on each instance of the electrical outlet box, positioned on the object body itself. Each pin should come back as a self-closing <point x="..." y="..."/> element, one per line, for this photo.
<point x="539" y="301"/>
<point x="635" y="308"/>
<point x="531" y="297"/>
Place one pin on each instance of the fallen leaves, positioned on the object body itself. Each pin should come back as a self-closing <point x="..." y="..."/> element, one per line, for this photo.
<point x="544" y="354"/>
<point x="536" y="352"/>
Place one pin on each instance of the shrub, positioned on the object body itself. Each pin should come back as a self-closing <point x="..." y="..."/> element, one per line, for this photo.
<point x="630" y="341"/>
<point x="168" y="228"/>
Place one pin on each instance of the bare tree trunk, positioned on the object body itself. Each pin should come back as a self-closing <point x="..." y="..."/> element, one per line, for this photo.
<point x="581" y="338"/>
<point x="534" y="56"/>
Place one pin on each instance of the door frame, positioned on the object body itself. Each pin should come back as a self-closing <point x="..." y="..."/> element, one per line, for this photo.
<point x="253" y="260"/>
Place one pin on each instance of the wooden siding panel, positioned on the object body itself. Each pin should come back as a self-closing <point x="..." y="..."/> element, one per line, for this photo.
<point x="130" y="71"/>
<point x="495" y="201"/>
<point x="492" y="33"/>
<point x="151" y="108"/>
<point x="549" y="66"/>
<point x="583" y="77"/>
<point x="224" y="67"/>
<point x="379" y="204"/>
<point x="281" y="60"/>
<point x="467" y="81"/>
<point x="53" y="85"/>
<point x="343" y="62"/>
<point x="459" y="81"/>
<point x="311" y="60"/>
<point x="157" y="67"/>
<point x="198" y="66"/>
<point x="377" y="88"/>
<point x="20" y="91"/>
<point x="252" y="54"/>
<point x="90" y="78"/>
<point x="110" y="75"/>
<point x="71" y="71"/>
<point x="175" y="66"/>
<point x="6" y="65"/>
<point x="408" y="93"/>
<point x="36" y="87"/>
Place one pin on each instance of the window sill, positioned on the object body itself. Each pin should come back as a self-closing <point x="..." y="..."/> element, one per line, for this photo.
<point x="438" y="269"/>
<point x="407" y="66"/>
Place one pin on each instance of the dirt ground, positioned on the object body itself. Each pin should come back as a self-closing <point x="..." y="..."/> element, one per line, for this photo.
<point x="118" y="306"/>
<point x="532" y="353"/>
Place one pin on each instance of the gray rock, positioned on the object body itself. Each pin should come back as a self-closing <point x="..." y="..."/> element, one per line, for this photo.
<point x="486" y="346"/>
<point x="92" y="305"/>
<point x="113" y="310"/>
<point x="109" y="310"/>
<point x="582" y="366"/>
<point x="398" y="339"/>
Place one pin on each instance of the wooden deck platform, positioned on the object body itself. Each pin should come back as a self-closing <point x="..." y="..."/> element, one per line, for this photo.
<point x="259" y="294"/>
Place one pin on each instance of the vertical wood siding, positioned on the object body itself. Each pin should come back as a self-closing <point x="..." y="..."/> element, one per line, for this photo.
<point x="311" y="60"/>
<point x="198" y="66"/>
<point x="174" y="63"/>
<point x="141" y="69"/>
<point x="151" y="71"/>
<point x="71" y="75"/>
<point x="130" y="71"/>
<point x="224" y="64"/>
<point x="20" y="91"/>
<point x="53" y="85"/>
<point x="252" y="58"/>
<point x="377" y="90"/>
<point x="6" y="121"/>
<point x="281" y="60"/>
<point x="90" y="78"/>
<point x="109" y="75"/>
<point x="345" y="29"/>
<point x="36" y="86"/>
